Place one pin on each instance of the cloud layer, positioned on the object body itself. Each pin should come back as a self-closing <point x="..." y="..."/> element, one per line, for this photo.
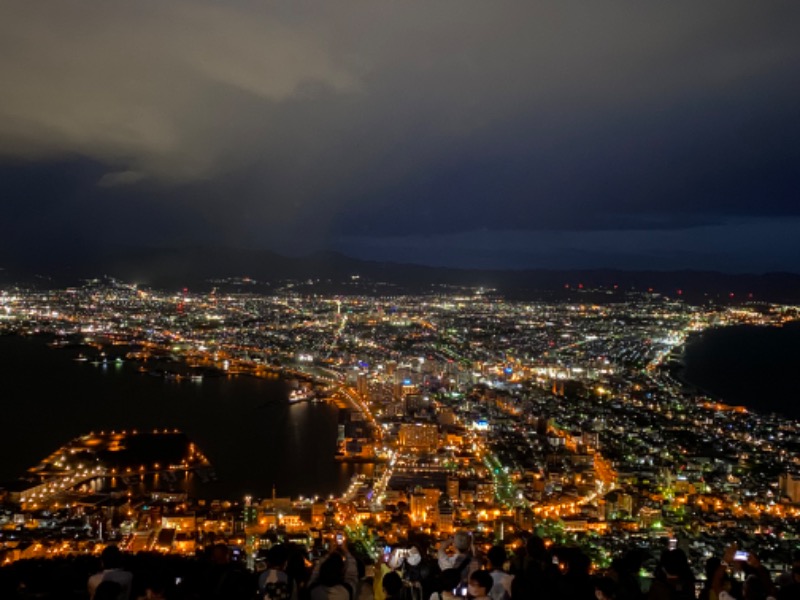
<point x="265" y="123"/>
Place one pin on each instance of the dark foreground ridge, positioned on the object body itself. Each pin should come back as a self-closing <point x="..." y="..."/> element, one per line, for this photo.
<point x="204" y="266"/>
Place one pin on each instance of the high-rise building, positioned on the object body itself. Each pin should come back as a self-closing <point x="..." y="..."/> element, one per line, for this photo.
<point x="419" y="436"/>
<point x="418" y="506"/>
<point x="590" y="439"/>
<point x="446" y="416"/>
<point x="789" y="484"/>
<point x="405" y="382"/>
<point x="618" y="505"/>
<point x="452" y="487"/>
<point x="361" y="386"/>
<point x="444" y="518"/>
<point x="416" y="403"/>
<point x="484" y="492"/>
<point x="424" y="503"/>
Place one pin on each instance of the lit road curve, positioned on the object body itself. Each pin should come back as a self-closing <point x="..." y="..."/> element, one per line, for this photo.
<point x="506" y="490"/>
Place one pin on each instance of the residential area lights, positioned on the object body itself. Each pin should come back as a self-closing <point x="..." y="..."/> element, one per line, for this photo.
<point x="477" y="412"/>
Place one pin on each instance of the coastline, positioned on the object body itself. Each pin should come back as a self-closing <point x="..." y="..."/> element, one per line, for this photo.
<point x="115" y="396"/>
<point x="741" y="358"/>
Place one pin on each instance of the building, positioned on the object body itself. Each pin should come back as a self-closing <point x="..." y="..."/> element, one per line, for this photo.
<point x="417" y="403"/>
<point x="444" y="517"/>
<point x="424" y="504"/>
<point x="452" y="487"/>
<point x="484" y="492"/>
<point x="419" y="436"/>
<point x="361" y="386"/>
<point x="789" y="484"/>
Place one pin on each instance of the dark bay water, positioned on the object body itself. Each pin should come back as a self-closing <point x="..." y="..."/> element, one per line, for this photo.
<point x="242" y="424"/>
<point x="757" y="367"/>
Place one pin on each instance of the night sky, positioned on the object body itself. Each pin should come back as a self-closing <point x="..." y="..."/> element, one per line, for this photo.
<point x="637" y="135"/>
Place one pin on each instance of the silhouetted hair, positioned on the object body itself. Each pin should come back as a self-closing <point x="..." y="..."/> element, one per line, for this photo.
<point x="497" y="556"/>
<point x="111" y="557"/>
<point x="675" y="563"/>
<point x="578" y="562"/>
<point x="483" y="579"/>
<point x="160" y="583"/>
<point x="536" y="548"/>
<point x="754" y="588"/>
<point x="392" y="583"/>
<point x="449" y="579"/>
<point x="278" y="555"/>
<point x="712" y="564"/>
<point x="331" y="571"/>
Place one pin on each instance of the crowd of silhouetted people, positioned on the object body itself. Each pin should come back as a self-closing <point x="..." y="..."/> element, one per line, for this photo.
<point x="454" y="571"/>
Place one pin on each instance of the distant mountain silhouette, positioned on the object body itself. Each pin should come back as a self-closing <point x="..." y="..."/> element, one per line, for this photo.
<point x="196" y="267"/>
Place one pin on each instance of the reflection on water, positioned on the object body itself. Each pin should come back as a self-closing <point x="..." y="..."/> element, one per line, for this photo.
<point x="244" y="425"/>
<point x="172" y="481"/>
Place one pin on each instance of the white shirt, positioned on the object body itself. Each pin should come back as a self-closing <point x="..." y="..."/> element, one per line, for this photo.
<point x="501" y="590"/>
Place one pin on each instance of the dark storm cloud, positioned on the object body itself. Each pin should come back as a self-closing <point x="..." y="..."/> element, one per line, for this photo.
<point x="269" y="123"/>
<point x="738" y="245"/>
